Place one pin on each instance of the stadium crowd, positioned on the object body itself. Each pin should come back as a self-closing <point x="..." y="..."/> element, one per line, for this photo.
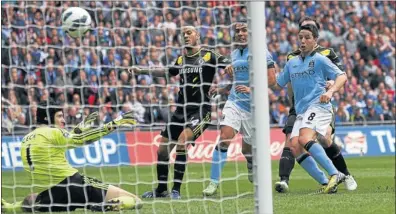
<point x="40" y="62"/>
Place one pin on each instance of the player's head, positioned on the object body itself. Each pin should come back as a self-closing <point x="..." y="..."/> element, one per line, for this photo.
<point x="308" y="36"/>
<point x="191" y="36"/>
<point x="308" y="20"/>
<point x="50" y="114"/>
<point x="241" y="32"/>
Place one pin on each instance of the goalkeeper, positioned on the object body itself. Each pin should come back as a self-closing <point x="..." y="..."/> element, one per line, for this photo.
<point x="61" y="187"/>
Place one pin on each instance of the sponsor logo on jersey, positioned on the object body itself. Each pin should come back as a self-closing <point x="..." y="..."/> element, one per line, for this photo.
<point x="243" y="68"/>
<point x="303" y="74"/>
<point x="190" y="70"/>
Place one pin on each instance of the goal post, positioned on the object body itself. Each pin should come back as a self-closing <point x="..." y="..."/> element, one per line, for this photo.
<point x="261" y="145"/>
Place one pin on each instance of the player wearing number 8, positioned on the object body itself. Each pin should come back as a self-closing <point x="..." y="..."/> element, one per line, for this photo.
<point x="308" y="74"/>
<point x="56" y="185"/>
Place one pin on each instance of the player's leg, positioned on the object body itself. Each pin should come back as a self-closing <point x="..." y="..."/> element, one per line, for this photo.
<point x="230" y="124"/>
<point x="196" y="124"/>
<point x="314" y="121"/>
<point x="169" y="136"/>
<point x="333" y="151"/>
<point x="287" y="160"/>
<point x="219" y="158"/>
<point x="247" y="133"/>
<point x="304" y="158"/>
<point x="247" y="152"/>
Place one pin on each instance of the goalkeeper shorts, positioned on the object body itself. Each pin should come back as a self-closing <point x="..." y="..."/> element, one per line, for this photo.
<point x="197" y="120"/>
<point x="76" y="191"/>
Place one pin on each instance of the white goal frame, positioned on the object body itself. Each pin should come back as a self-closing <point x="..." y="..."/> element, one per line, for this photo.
<point x="260" y="104"/>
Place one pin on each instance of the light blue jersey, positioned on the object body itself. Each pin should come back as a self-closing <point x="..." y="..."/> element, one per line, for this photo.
<point x="240" y="64"/>
<point x="308" y="78"/>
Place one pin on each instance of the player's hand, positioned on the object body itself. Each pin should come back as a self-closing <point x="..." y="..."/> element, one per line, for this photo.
<point x="126" y="119"/>
<point x="242" y="89"/>
<point x="326" y="97"/>
<point x="87" y="123"/>
<point x="213" y="90"/>
<point x="229" y="70"/>
<point x="329" y="84"/>
<point x="133" y="70"/>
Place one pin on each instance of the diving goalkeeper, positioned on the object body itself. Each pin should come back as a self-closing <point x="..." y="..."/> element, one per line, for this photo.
<point x="57" y="186"/>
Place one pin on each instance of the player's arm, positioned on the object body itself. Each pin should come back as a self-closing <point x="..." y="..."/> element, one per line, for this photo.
<point x="332" y="72"/>
<point x="71" y="139"/>
<point x="277" y="81"/>
<point x="158" y="71"/>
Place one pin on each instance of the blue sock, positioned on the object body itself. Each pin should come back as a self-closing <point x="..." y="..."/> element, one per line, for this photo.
<point x="320" y="156"/>
<point x="218" y="161"/>
<point x="309" y="164"/>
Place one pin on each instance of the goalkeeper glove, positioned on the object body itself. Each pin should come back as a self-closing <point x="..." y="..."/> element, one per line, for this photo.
<point x="126" y="120"/>
<point x="86" y="124"/>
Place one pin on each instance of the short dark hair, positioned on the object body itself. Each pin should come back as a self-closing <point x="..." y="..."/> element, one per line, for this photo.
<point x="308" y="18"/>
<point x="46" y="111"/>
<point x="314" y="30"/>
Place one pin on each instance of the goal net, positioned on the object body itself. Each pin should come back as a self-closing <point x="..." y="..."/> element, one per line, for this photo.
<point x="41" y="62"/>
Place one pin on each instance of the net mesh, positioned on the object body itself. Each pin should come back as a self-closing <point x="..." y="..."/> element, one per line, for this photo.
<point x="40" y="62"/>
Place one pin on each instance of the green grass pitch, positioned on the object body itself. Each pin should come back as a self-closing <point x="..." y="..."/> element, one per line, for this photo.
<point x="375" y="193"/>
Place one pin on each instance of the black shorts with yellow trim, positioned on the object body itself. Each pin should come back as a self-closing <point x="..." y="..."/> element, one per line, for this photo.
<point x="76" y="191"/>
<point x="196" y="119"/>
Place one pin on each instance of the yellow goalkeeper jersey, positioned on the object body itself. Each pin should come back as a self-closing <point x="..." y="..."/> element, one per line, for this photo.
<point x="43" y="153"/>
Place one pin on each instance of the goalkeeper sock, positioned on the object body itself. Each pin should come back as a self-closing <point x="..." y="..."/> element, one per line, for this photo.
<point x="286" y="164"/>
<point x="218" y="161"/>
<point x="320" y="156"/>
<point x="162" y="172"/>
<point x="309" y="164"/>
<point x="334" y="153"/>
<point x="180" y="168"/>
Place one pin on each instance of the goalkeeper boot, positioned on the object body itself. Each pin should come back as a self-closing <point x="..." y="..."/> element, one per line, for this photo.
<point x="175" y="195"/>
<point x="211" y="189"/>
<point x="334" y="181"/>
<point x="281" y="186"/>
<point x="350" y="183"/>
<point x="11" y="208"/>
<point x="155" y="194"/>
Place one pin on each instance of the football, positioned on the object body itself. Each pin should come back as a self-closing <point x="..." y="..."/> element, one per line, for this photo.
<point x="76" y="21"/>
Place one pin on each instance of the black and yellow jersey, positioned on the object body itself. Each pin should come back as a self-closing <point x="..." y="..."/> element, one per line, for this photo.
<point x="196" y="76"/>
<point x="43" y="154"/>
<point x="327" y="52"/>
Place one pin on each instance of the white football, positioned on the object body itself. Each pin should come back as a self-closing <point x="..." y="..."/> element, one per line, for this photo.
<point x="76" y="21"/>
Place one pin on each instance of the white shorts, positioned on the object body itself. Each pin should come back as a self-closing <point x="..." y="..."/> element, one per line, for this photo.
<point x="238" y="119"/>
<point x="315" y="118"/>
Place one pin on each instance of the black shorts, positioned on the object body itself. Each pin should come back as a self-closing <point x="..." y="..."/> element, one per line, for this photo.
<point x="197" y="120"/>
<point x="76" y="191"/>
<point x="288" y="128"/>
